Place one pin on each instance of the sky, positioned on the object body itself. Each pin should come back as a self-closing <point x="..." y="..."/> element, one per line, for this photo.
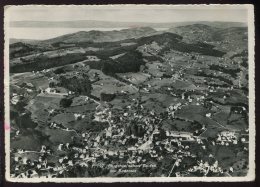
<point x="130" y="13"/>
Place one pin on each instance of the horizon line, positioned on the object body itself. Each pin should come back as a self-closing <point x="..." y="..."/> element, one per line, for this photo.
<point x="129" y="21"/>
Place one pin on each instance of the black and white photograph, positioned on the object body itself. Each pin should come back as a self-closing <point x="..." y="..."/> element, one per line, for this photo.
<point x="129" y="93"/>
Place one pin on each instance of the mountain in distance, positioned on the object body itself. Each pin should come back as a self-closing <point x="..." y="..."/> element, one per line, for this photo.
<point x="195" y="32"/>
<point x="197" y="38"/>
<point x="190" y="33"/>
<point x="205" y="33"/>
<point x="218" y="24"/>
<point x="198" y="31"/>
<point x="113" y="24"/>
<point x="28" y="41"/>
<point x="196" y="35"/>
<point x="102" y="36"/>
<point x="39" y="57"/>
<point x="92" y="36"/>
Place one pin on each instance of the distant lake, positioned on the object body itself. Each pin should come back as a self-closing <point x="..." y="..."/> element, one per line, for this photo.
<point x="47" y="33"/>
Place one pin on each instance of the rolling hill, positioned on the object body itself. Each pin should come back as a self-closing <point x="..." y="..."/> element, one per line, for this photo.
<point x="205" y="33"/>
<point x="69" y="55"/>
<point x="101" y="36"/>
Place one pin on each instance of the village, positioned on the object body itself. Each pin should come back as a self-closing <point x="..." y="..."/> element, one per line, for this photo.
<point x="176" y="114"/>
<point x="134" y="137"/>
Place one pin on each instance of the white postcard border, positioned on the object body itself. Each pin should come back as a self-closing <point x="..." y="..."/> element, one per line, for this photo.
<point x="251" y="51"/>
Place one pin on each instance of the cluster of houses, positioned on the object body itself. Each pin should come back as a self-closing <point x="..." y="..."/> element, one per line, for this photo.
<point x="26" y="90"/>
<point x="204" y="168"/>
<point x="15" y="98"/>
<point x="55" y="91"/>
<point x="226" y="138"/>
<point x="145" y="144"/>
<point x="35" y="167"/>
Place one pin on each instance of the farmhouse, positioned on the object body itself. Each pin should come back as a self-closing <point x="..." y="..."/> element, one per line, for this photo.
<point x="185" y="136"/>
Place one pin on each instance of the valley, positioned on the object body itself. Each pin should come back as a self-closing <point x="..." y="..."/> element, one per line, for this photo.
<point x="131" y="103"/>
